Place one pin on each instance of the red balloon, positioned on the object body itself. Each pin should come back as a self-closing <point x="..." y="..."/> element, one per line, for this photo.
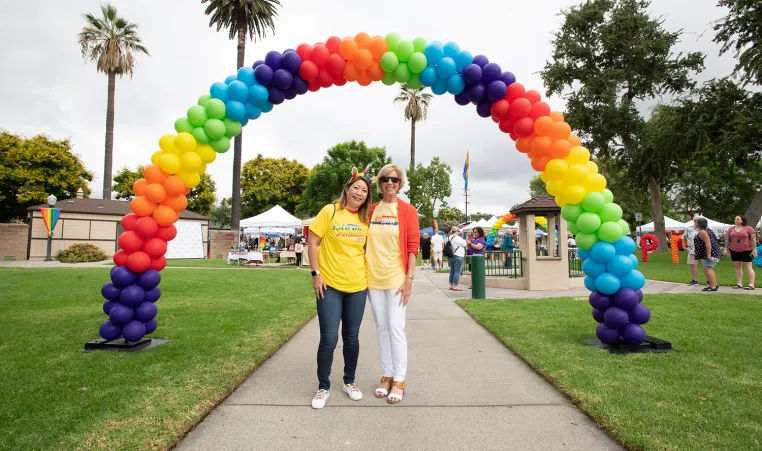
<point x="513" y="136"/>
<point x="500" y="108"/>
<point x="155" y="248"/>
<point x="146" y="227"/>
<point x="308" y="70"/>
<point x="515" y="90"/>
<point x="320" y="54"/>
<point x="524" y="127"/>
<point x="305" y="51"/>
<point x="533" y="96"/>
<point x="495" y="119"/>
<point x="339" y="80"/>
<point x="130" y="242"/>
<point x="159" y="264"/>
<point x="332" y="44"/>
<point x="335" y="64"/>
<point x="507" y="124"/>
<point x="539" y="110"/>
<point x="138" y="261"/>
<point x="325" y="78"/>
<point x="167" y="233"/>
<point x="521" y="107"/>
<point x="129" y="220"/>
<point x="313" y="86"/>
<point x="120" y="258"/>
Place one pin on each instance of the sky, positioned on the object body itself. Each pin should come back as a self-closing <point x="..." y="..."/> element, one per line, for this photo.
<point x="46" y="86"/>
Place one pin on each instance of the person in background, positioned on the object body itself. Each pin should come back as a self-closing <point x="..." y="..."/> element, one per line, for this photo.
<point x="298" y="249"/>
<point x="688" y="237"/>
<point x="458" y="245"/>
<point x="741" y="242"/>
<point x="425" y="251"/>
<point x="508" y="246"/>
<point x="437" y="245"/>
<point x="707" y="251"/>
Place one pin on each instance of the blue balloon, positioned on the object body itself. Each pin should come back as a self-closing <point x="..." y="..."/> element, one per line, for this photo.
<point x="607" y="283"/>
<point x="481" y="60"/>
<point x="122" y="277"/>
<point x="496" y="90"/>
<point x="462" y="98"/>
<point x="463" y="59"/>
<point x="246" y="75"/>
<point x="244" y="121"/>
<point x="472" y="74"/>
<point x="451" y="50"/>
<point x="252" y="111"/>
<point x="108" y="305"/>
<point x="590" y="283"/>
<point x="230" y="78"/>
<point x="634" y="279"/>
<point x="508" y="78"/>
<point x="620" y="265"/>
<point x="145" y="312"/>
<point x="583" y="254"/>
<point x="132" y="295"/>
<point x="266" y="107"/>
<point x="477" y="93"/>
<point x="299" y="85"/>
<point x="593" y="268"/>
<point x="434" y="52"/>
<point x="625" y="246"/>
<point x="440" y="87"/>
<point x="291" y="62"/>
<point x="237" y="90"/>
<point x="429" y="76"/>
<point x="263" y="74"/>
<point x="484" y="108"/>
<point x="151" y="326"/>
<point x="274" y="59"/>
<point x="152" y="295"/>
<point x="634" y="260"/>
<point x="219" y="90"/>
<point x="603" y="252"/>
<point x="134" y="331"/>
<point x="110" y="292"/>
<point x="491" y="72"/>
<point x="446" y="67"/>
<point x="110" y="331"/>
<point x="149" y="279"/>
<point x="235" y="110"/>
<point x="120" y="315"/>
<point x="258" y="95"/>
<point x="456" y="85"/>
<point x="276" y="96"/>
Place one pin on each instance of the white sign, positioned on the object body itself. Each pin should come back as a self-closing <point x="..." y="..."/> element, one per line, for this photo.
<point x="189" y="242"/>
<point x="638" y="217"/>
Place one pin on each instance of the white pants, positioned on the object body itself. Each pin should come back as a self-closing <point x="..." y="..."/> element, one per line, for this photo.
<point x="390" y="330"/>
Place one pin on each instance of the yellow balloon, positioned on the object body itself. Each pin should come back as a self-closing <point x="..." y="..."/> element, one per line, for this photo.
<point x="555" y="187"/>
<point x="191" y="179"/>
<point x="203" y="169"/>
<point x="544" y="177"/>
<point x="576" y="175"/>
<point x="167" y="144"/>
<point x="595" y="183"/>
<point x="207" y="154"/>
<point x="574" y="194"/>
<point x="170" y="163"/>
<point x="592" y="167"/>
<point x="185" y="142"/>
<point x="578" y="155"/>
<point x="156" y="155"/>
<point x="191" y="162"/>
<point x="560" y="201"/>
<point x="556" y="169"/>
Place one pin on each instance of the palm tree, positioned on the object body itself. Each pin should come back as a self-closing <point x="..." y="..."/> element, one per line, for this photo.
<point x="110" y="42"/>
<point x="241" y="17"/>
<point x="416" y="109"/>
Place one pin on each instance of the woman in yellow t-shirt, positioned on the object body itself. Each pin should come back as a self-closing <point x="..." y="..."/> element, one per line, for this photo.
<point x="339" y="280"/>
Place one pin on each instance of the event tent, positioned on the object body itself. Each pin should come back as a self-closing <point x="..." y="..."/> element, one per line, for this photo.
<point x="270" y="231"/>
<point x="274" y="217"/>
<point x="669" y="225"/>
<point x="430" y="231"/>
<point x="714" y="225"/>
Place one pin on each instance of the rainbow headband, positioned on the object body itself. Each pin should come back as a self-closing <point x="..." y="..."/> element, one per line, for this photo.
<point x="365" y="174"/>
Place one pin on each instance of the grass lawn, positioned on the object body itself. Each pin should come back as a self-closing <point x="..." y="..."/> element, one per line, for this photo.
<point x="218" y="263"/>
<point x="706" y="396"/>
<point x="221" y="326"/>
<point x="660" y="267"/>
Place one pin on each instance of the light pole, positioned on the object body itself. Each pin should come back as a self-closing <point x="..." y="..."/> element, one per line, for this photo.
<point x="51" y="225"/>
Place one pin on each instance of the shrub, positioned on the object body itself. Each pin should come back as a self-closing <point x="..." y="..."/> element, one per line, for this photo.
<point x="81" y="252"/>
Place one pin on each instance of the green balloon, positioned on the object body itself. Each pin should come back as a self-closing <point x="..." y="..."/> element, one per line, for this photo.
<point x="183" y="125"/>
<point x="203" y="99"/>
<point x="197" y="115"/>
<point x="200" y="135"/>
<point x="588" y="222"/>
<point x="415" y="82"/>
<point x="389" y="79"/>
<point x="625" y="227"/>
<point x="403" y="50"/>
<point x="389" y="62"/>
<point x="214" y="128"/>
<point x="391" y="40"/>
<point x="610" y="232"/>
<point x="593" y="202"/>
<point x="221" y="145"/>
<point x="232" y="128"/>
<point x="608" y="195"/>
<point x="215" y="109"/>
<point x="610" y="212"/>
<point x="402" y="74"/>
<point x="419" y="44"/>
<point x="573" y="228"/>
<point x="585" y="241"/>
<point x="571" y="212"/>
<point x="417" y="63"/>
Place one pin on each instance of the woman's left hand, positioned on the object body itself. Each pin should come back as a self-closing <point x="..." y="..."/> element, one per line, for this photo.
<point x="406" y="289"/>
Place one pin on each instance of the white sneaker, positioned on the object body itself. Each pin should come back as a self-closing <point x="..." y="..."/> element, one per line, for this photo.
<point x="353" y="391"/>
<point x="321" y="396"/>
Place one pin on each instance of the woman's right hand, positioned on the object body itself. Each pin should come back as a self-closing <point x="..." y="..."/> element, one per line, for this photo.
<point x="725" y="252"/>
<point x="318" y="286"/>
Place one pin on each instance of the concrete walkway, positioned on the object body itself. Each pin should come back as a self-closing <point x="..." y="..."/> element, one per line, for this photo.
<point x="466" y="391"/>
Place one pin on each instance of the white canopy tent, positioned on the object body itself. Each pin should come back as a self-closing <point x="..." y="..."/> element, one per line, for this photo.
<point x="274" y="217"/>
<point x="269" y="231"/>
<point x="714" y="225"/>
<point x="669" y="225"/>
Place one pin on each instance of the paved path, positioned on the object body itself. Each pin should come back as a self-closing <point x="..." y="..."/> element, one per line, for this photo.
<point x="466" y="391"/>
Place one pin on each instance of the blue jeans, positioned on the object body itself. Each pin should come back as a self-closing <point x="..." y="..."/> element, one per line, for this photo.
<point x="347" y="308"/>
<point x="456" y="266"/>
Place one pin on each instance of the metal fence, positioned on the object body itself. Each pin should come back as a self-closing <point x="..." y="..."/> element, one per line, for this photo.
<point x="499" y="264"/>
<point x="575" y="264"/>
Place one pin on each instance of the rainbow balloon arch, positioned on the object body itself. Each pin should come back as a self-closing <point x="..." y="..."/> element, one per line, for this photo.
<point x="541" y="134"/>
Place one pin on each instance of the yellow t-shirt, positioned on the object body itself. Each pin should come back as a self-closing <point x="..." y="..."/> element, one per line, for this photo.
<point x="385" y="269"/>
<point x="341" y="258"/>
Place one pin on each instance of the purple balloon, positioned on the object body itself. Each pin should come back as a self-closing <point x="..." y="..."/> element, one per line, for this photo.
<point x="299" y="85"/>
<point x="121" y="315"/>
<point x="508" y="78"/>
<point x="152" y="295"/>
<point x="640" y="314"/>
<point x="599" y="300"/>
<point x="282" y="79"/>
<point x="108" y="305"/>
<point x="146" y="312"/>
<point x="625" y="298"/>
<point x="134" y="331"/>
<point x="151" y="326"/>
<point x="477" y="93"/>
<point x="110" y="292"/>
<point x="122" y="277"/>
<point x="263" y="74"/>
<point x="632" y="334"/>
<point x="615" y="317"/>
<point x="490" y="73"/>
<point x="462" y="98"/>
<point x="606" y="334"/>
<point x="274" y="59"/>
<point x="132" y="295"/>
<point x="640" y="295"/>
<point x="110" y="331"/>
<point x="149" y="279"/>
<point x="291" y="62"/>
<point x="290" y="93"/>
<point x="597" y="315"/>
<point x="481" y="60"/>
<point x="472" y="74"/>
<point x="484" y="108"/>
<point x="257" y="63"/>
<point x="496" y="90"/>
<point x="275" y="96"/>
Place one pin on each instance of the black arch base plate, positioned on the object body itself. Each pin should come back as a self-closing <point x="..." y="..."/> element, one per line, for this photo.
<point x="651" y="344"/>
<point x="121" y="345"/>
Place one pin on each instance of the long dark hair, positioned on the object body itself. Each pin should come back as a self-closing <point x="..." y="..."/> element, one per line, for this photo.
<point x="480" y="231"/>
<point x="743" y="219"/>
<point x="364" y="211"/>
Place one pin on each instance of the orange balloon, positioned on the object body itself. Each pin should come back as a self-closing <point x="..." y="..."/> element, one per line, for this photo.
<point x="541" y="144"/>
<point x="348" y="49"/>
<point x="350" y="72"/>
<point x="174" y="186"/>
<point x="154" y="174"/>
<point x="543" y="126"/>
<point x="539" y="162"/>
<point x="375" y="71"/>
<point x="155" y="192"/>
<point x="176" y="203"/>
<point x="561" y="130"/>
<point x="377" y="47"/>
<point x="524" y="144"/>
<point x="363" y="40"/>
<point x="164" y="215"/>
<point x="363" y="59"/>
<point x="574" y="140"/>
<point x="187" y="191"/>
<point x="557" y="116"/>
<point x="139" y="187"/>
<point x="141" y="206"/>
<point x="363" y="78"/>
<point x="560" y="149"/>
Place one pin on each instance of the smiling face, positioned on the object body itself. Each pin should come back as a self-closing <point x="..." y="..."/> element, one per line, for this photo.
<point x="390" y="184"/>
<point x="356" y="193"/>
<point x="739" y="221"/>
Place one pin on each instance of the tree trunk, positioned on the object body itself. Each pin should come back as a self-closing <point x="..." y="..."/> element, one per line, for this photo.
<point x="661" y="234"/>
<point x="108" y="159"/>
<point x="412" y="144"/>
<point x="754" y="211"/>
<point x="235" y="211"/>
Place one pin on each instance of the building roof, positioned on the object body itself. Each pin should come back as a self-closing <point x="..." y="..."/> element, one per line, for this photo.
<point x="540" y="204"/>
<point x="104" y="207"/>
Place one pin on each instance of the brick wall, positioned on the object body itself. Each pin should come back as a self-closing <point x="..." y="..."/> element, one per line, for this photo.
<point x="13" y="241"/>
<point x="221" y="240"/>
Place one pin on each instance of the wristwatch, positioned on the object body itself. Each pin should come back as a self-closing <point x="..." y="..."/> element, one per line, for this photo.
<point x="315" y="273"/>
<point x="410" y="276"/>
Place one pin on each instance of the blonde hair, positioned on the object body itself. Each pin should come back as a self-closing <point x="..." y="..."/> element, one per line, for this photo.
<point x="364" y="210"/>
<point x="385" y="171"/>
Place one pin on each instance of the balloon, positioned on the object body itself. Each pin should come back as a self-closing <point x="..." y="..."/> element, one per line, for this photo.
<point x="154" y="192"/>
<point x="606" y="334"/>
<point x="609" y="232"/>
<point x="496" y="90"/>
<point x="308" y="70"/>
<point x="446" y="67"/>
<point x="608" y="195"/>
<point x="348" y="49"/>
<point x="455" y="84"/>
<point x="539" y="163"/>
<point x="598" y="315"/>
<point x="625" y="298"/>
<point x="151" y="326"/>
<point x="159" y="264"/>
<point x="603" y="252"/>
<point x="434" y="52"/>
<point x="154" y="248"/>
<point x="389" y="62"/>
<point x="377" y="47"/>
<point x="440" y="87"/>
<point x="156" y="155"/>
<point x="624" y="226"/>
<point x="634" y="280"/>
<point x="263" y="74"/>
<point x="463" y="59"/>
<point x="130" y="241"/>
<point x="277" y="96"/>
<point x="562" y="130"/>
<point x="145" y="312"/>
<point x="363" y="59"/>
<point x="392" y="39"/>
<point x="299" y="85"/>
<point x="134" y="331"/>
<point x="533" y="96"/>
<point x="170" y="163"/>
<point x="138" y="261"/>
<point x="109" y="331"/>
<point x="570" y="212"/>
<point x="583" y="255"/>
<point x="291" y="62"/>
<point x="577" y="155"/>
<point x="232" y="127"/>
<point x="164" y="215"/>
<point x="484" y="108"/>
<point x="616" y="317"/>
<point x="620" y="266"/>
<point x="182" y="124"/>
<point x="177" y="203"/>
<point x="592" y="268"/>
<point x="573" y="194"/>
<point x="197" y="115"/>
<point x="335" y="64"/>
<point x="190" y="161"/>
<point x="462" y="98"/>
<point x="120" y="258"/>
<point x="477" y="93"/>
<point x="472" y="74"/>
<point x="281" y="79"/>
<point x="481" y="60"/>
<point x="402" y="73"/>
<point x="221" y="145"/>
<point x="593" y="202"/>
<point x="190" y="179"/>
<point x="110" y="292"/>
<point x="524" y="127"/>
<point x="129" y="221"/>
<point x="543" y="126"/>
<point x="320" y="54"/>
<point x="417" y="63"/>
<point x="599" y="300"/>
<point x="153" y="294"/>
<point x="246" y="75"/>
<point x="586" y="241"/>
<point x="589" y="282"/>
<point x="121" y="314"/>
<point x="376" y="73"/>
<point x="557" y="116"/>
<point x="625" y="246"/>
<point x="215" y="109"/>
<point x="610" y="212"/>
<point x="451" y="50"/>
<point x="219" y="90"/>
<point x="491" y="72"/>
<point x="237" y="90"/>
<point x="404" y="49"/>
<point x="588" y="222"/>
<point x="146" y="227"/>
<point x="639" y="314"/>
<point x="198" y="134"/>
<point x="500" y="108"/>
<point x="633" y="259"/>
<point x="633" y="334"/>
<point x="350" y="72"/>
<point x="515" y="91"/>
<point x="414" y="82"/>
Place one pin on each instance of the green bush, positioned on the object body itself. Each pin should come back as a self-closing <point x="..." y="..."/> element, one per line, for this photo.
<point x="81" y="252"/>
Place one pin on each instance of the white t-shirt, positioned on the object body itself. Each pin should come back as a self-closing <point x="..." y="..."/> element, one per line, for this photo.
<point x="458" y="245"/>
<point x="437" y="243"/>
<point x="572" y="242"/>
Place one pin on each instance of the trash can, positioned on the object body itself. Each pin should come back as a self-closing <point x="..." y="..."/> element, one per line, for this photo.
<point x="478" y="290"/>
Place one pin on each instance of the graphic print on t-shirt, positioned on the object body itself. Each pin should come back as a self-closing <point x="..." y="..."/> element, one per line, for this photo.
<point x="385" y="220"/>
<point x="349" y="231"/>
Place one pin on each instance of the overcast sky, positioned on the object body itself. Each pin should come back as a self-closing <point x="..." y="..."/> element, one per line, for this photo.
<point x="46" y="87"/>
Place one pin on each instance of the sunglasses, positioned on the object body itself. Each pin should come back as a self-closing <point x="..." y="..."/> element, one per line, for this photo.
<point x="390" y="179"/>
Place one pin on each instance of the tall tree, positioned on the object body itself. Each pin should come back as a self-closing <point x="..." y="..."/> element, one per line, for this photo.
<point x="124" y="179"/>
<point x="741" y="31"/>
<point x="33" y="168"/>
<point x="428" y="185"/>
<point x="220" y="215"/>
<point x="267" y="182"/>
<point x="327" y="178"/>
<point x="608" y="55"/>
<point x="447" y="213"/>
<point x="416" y="109"/>
<point x="537" y="187"/>
<point x="111" y="42"/>
<point x="241" y="18"/>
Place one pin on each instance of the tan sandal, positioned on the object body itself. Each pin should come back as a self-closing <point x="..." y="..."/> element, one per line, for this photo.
<point x="394" y="398"/>
<point x="381" y="392"/>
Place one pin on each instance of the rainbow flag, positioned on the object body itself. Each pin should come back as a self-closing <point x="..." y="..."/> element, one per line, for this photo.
<point x="435" y="225"/>
<point x="50" y="218"/>
<point x="465" y="171"/>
